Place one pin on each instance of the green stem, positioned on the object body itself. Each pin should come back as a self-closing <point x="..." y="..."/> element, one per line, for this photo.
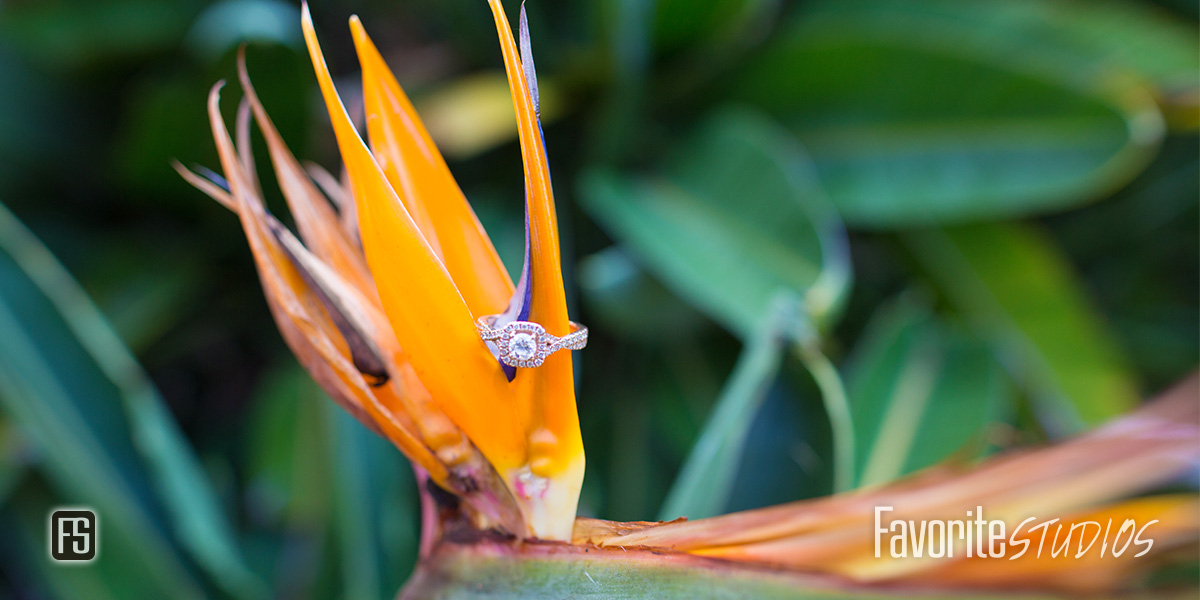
<point x="833" y="395"/>
<point x="707" y="477"/>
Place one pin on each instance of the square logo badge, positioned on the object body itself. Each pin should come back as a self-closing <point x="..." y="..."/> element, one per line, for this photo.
<point x="73" y="535"/>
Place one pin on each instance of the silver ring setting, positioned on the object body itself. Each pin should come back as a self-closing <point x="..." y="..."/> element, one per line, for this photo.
<point x="526" y="344"/>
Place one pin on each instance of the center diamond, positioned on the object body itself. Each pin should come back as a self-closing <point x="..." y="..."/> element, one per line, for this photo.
<point x="522" y="346"/>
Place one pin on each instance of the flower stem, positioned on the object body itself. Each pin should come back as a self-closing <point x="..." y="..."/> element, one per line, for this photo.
<point x="833" y="395"/>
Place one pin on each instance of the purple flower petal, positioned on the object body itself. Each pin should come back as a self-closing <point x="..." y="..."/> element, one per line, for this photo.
<point x="527" y="63"/>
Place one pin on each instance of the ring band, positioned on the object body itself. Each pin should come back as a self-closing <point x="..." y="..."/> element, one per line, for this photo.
<point x="526" y="344"/>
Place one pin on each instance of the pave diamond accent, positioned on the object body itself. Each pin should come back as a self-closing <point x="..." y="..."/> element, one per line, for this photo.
<point x="525" y="344"/>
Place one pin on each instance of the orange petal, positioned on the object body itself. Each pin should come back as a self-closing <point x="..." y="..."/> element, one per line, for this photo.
<point x="298" y="312"/>
<point x="344" y="341"/>
<point x="319" y="225"/>
<point x="431" y="321"/>
<point x="1170" y="521"/>
<point x="315" y="218"/>
<point x="547" y="393"/>
<point x="249" y="171"/>
<point x="210" y="189"/>
<point x="418" y="173"/>
<point x="836" y="534"/>
<point x="339" y="193"/>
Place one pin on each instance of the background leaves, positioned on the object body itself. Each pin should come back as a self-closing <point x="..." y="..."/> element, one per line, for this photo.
<point x="922" y="391"/>
<point x="1019" y="294"/>
<point x="52" y="384"/>
<point x="738" y="220"/>
<point x="960" y="134"/>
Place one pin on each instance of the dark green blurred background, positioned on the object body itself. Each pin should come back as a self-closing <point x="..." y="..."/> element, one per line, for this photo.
<point x="1018" y="180"/>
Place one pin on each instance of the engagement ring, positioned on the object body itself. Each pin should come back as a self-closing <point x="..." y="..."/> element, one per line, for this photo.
<point x="525" y="344"/>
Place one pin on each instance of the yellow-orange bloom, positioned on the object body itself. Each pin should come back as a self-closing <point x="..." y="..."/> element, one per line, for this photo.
<point x="389" y="328"/>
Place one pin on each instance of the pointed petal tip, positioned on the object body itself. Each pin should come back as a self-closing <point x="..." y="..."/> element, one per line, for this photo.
<point x="362" y="44"/>
<point x="526" y="47"/>
<point x="243" y="72"/>
<point x="208" y="182"/>
<point x="310" y="35"/>
<point x="437" y="322"/>
<point x="214" y="92"/>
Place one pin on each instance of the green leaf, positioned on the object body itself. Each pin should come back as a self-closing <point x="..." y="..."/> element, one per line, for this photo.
<point x="288" y="463"/>
<point x="111" y="576"/>
<point x="144" y="297"/>
<point x="12" y="459"/>
<point x="341" y="496"/>
<point x="371" y="485"/>
<point x="704" y="484"/>
<point x="360" y="554"/>
<point x="70" y="411"/>
<point x="1095" y="36"/>
<point x="1020" y="295"/>
<point x="63" y="365"/>
<point x="289" y="478"/>
<point x="912" y="125"/>
<point x="625" y="300"/>
<point x="738" y="221"/>
<point x="75" y="35"/>
<point x="920" y="392"/>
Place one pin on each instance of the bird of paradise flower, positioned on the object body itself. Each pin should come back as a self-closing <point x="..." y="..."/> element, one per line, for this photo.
<point x="378" y="298"/>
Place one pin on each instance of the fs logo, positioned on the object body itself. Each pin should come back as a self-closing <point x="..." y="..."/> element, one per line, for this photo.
<point x="73" y="535"/>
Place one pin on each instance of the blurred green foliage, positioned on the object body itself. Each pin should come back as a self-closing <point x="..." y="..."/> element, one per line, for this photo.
<point x="1010" y="186"/>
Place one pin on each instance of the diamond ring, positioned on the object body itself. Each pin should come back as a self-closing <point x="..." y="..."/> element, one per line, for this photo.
<point x="526" y="344"/>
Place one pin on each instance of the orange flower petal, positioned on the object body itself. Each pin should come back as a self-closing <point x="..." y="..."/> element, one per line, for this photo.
<point x="315" y="218"/>
<point x="298" y="312"/>
<point x="1170" y="521"/>
<point x="431" y="321"/>
<point x="418" y="173"/>
<point x="209" y="188"/>
<point x="319" y="225"/>
<point x="338" y="191"/>
<point x="836" y="534"/>
<point x="546" y="394"/>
